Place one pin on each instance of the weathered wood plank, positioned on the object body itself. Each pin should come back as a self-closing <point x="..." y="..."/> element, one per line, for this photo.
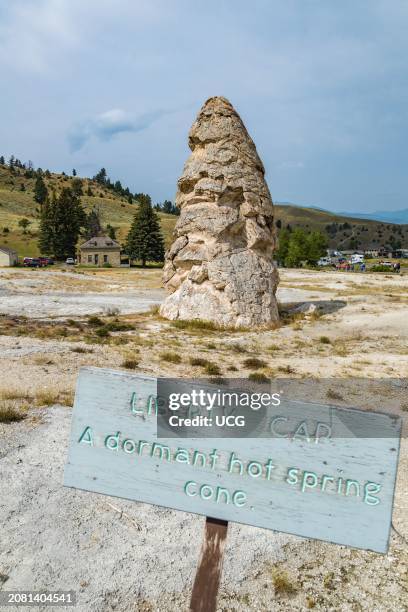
<point x="208" y="576"/>
<point x="116" y="452"/>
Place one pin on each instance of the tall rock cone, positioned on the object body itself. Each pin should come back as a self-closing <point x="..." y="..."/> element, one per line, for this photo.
<point x="219" y="267"/>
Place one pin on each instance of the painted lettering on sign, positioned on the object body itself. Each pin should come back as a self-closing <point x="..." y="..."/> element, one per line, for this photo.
<point x="304" y="479"/>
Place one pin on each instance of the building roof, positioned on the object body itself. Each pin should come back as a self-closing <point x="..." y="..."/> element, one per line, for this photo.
<point x="100" y="242"/>
<point x="7" y="250"/>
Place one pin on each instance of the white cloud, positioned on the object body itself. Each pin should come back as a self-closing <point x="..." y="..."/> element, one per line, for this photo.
<point x="106" y="125"/>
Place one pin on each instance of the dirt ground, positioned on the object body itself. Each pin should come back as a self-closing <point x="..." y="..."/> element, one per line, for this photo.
<point x="335" y="326"/>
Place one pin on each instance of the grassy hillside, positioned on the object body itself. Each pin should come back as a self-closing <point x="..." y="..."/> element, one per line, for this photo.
<point x="16" y="204"/>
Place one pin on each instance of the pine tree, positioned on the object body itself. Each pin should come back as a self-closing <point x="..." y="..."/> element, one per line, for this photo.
<point x="40" y="190"/>
<point x="76" y="186"/>
<point x="93" y="224"/>
<point x="145" y="240"/>
<point x="69" y="217"/>
<point x="74" y="172"/>
<point x="47" y="227"/>
<point x="2" y="160"/>
<point x="111" y="231"/>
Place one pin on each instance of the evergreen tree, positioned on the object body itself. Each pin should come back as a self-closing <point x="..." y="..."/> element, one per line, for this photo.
<point x="61" y="222"/>
<point x="145" y="240"/>
<point x="111" y="231"/>
<point x="297" y="249"/>
<point x="2" y="160"/>
<point x="69" y="217"/>
<point x="74" y="172"/>
<point x="282" y="252"/>
<point x="76" y="186"/>
<point x="316" y="247"/>
<point x="47" y="226"/>
<point x="143" y="198"/>
<point x="40" y="190"/>
<point x="101" y="177"/>
<point x="93" y="225"/>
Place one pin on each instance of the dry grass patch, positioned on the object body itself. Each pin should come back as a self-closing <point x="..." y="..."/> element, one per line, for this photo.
<point x="43" y="360"/>
<point x="258" y="377"/>
<point x="10" y="413"/>
<point x="212" y="369"/>
<point x="332" y="394"/>
<point x="130" y="364"/>
<point x="81" y="349"/>
<point x="46" y="397"/>
<point x="170" y="357"/>
<point x="254" y="362"/>
<point x="282" y="582"/>
<point x="324" y="340"/>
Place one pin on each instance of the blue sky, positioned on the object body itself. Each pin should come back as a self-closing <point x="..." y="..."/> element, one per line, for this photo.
<point x="321" y="86"/>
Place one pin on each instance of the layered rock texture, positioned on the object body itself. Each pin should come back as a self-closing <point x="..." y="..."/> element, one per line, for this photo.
<point x="219" y="267"/>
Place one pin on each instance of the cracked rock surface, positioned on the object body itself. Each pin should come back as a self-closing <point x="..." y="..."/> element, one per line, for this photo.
<point x="220" y="267"/>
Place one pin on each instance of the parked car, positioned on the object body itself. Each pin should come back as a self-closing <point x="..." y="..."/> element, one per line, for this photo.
<point x="32" y="262"/>
<point x="46" y="261"/>
<point x="70" y="261"/>
<point x="356" y="259"/>
<point x="324" y="261"/>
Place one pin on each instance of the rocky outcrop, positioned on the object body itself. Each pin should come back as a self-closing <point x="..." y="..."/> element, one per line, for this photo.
<point x="220" y="267"/>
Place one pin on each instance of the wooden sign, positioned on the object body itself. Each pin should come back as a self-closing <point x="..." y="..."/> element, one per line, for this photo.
<point x="336" y="486"/>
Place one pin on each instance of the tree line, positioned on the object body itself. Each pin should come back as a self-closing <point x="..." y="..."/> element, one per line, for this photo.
<point x="63" y="222"/>
<point x="297" y="247"/>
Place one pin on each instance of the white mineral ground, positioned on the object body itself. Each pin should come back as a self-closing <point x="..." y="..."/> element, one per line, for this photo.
<point x="128" y="556"/>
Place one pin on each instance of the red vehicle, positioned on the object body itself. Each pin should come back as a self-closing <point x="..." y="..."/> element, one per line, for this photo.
<point x="32" y="262"/>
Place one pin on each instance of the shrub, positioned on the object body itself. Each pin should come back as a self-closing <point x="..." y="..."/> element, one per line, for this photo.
<point x="81" y="349"/>
<point x="171" y="357"/>
<point x="258" y="377"/>
<point x="195" y="324"/>
<point x="130" y="364"/>
<point x="254" y="362"/>
<point x="380" y="268"/>
<point x="95" y="321"/>
<point x="324" y="340"/>
<point x="102" y="332"/>
<point x="10" y="414"/>
<point x="115" y="326"/>
<point x="282" y="583"/>
<point x="198" y="361"/>
<point x="212" y="369"/>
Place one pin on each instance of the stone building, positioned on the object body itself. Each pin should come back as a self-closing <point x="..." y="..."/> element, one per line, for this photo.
<point x="8" y="257"/>
<point x="99" y="251"/>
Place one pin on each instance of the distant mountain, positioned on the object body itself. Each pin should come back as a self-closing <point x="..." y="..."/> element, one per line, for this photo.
<point x="388" y="216"/>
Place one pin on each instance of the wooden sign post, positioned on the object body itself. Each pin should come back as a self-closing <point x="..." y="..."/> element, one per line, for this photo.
<point x="209" y="570"/>
<point x="321" y="472"/>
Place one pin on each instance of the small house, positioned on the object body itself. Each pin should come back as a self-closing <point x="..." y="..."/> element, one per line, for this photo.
<point x="8" y="257"/>
<point x="99" y="251"/>
<point x="371" y="251"/>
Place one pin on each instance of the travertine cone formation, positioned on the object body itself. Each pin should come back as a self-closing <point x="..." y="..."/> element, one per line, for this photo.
<point x="220" y="268"/>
